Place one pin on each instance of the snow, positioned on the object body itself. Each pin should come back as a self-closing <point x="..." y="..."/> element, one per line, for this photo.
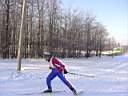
<point x="111" y="77"/>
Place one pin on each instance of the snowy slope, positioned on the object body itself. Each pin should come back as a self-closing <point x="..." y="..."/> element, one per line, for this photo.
<point x="111" y="77"/>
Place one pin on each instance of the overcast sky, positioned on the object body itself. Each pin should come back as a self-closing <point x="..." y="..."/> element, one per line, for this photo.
<point x="111" y="13"/>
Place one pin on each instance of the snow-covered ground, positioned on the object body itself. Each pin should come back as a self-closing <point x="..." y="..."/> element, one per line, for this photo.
<point x="111" y="77"/>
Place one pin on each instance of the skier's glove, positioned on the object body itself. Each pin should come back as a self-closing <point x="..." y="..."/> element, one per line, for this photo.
<point x="65" y="71"/>
<point x="50" y="67"/>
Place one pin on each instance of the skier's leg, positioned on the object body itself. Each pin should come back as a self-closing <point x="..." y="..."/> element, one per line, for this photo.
<point x="61" y="76"/>
<point x="50" y="77"/>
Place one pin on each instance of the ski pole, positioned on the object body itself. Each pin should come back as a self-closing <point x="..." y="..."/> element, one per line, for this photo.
<point x="85" y="75"/>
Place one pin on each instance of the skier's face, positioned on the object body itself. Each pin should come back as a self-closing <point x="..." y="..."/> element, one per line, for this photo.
<point x="48" y="59"/>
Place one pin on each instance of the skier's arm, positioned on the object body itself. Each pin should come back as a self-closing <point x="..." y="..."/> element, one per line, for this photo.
<point x="50" y="63"/>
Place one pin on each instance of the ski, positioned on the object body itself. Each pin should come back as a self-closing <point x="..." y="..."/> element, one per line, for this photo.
<point x="59" y="91"/>
<point x="36" y="93"/>
<point x="80" y="92"/>
<point x="50" y="94"/>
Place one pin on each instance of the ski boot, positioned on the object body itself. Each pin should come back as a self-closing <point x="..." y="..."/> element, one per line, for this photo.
<point x="74" y="91"/>
<point x="48" y="91"/>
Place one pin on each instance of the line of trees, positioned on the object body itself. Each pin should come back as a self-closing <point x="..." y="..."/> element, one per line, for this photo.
<point x="50" y="28"/>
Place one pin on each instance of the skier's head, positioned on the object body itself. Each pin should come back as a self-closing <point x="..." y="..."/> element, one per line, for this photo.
<point x="49" y="55"/>
<point x="48" y="58"/>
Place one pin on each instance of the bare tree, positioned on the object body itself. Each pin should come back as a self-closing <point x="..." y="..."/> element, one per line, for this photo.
<point x="49" y="27"/>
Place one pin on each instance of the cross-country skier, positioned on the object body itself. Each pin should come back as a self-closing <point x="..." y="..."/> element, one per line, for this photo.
<point x="57" y="69"/>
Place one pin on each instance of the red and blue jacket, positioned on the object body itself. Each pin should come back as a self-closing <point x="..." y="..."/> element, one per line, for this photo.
<point x="56" y="63"/>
